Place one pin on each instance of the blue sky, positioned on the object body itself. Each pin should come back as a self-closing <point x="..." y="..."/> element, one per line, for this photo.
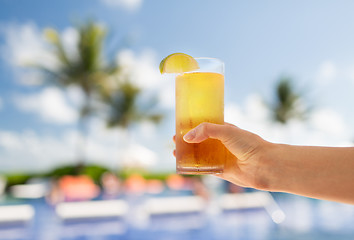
<point x="259" y="41"/>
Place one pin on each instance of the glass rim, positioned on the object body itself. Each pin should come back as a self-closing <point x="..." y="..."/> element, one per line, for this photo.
<point x="213" y="61"/>
<point x="208" y="58"/>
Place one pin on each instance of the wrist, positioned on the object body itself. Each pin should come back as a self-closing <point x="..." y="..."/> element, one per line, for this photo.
<point x="270" y="174"/>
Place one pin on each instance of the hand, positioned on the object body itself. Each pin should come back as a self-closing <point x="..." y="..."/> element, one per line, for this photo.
<point x="243" y="167"/>
<point x="317" y="172"/>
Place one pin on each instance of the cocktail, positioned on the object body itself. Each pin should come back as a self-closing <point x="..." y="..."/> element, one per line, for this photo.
<point x="199" y="98"/>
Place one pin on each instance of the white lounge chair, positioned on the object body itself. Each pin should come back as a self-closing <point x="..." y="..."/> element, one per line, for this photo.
<point x="92" y="209"/>
<point x="238" y="201"/>
<point x="174" y="205"/>
<point x="29" y="190"/>
<point x="2" y="185"/>
<point x="16" y="214"/>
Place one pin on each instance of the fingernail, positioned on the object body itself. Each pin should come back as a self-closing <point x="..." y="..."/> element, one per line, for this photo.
<point x="189" y="136"/>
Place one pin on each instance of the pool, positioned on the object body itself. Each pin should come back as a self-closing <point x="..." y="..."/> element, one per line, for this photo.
<point x="305" y="219"/>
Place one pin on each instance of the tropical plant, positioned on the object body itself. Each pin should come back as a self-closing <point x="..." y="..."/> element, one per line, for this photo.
<point x="127" y="106"/>
<point x="87" y="69"/>
<point x="96" y="76"/>
<point x="287" y="103"/>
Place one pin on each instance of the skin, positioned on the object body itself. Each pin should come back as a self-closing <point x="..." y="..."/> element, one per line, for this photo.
<point x="318" y="172"/>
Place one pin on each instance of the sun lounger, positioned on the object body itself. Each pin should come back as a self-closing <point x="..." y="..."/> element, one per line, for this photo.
<point x="16" y="214"/>
<point x="174" y="205"/>
<point x="252" y="200"/>
<point x="235" y="201"/>
<point x="32" y="190"/>
<point x="92" y="209"/>
<point x="2" y="185"/>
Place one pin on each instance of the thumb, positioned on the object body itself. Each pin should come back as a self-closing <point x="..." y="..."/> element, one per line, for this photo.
<point x="209" y="130"/>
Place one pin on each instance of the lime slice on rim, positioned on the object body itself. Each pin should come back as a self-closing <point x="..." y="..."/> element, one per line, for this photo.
<point x="178" y="63"/>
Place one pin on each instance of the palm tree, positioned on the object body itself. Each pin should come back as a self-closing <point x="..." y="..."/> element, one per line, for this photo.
<point x="96" y="76"/>
<point x="287" y="102"/>
<point x="127" y="105"/>
<point x="88" y="70"/>
<point x="124" y="108"/>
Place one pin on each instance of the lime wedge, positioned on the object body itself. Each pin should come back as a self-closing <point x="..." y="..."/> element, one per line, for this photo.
<point x="178" y="63"/>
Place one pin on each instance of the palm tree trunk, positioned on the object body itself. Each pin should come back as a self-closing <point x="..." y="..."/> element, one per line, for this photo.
<point x="81" y="144"/>
<point x="82" y="126"/>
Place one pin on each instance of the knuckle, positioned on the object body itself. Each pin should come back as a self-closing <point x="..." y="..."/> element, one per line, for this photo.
<point x="203" y="130"/>
<point x="229" y="134"/>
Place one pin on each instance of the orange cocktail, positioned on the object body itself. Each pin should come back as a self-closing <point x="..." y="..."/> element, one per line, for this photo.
<point x="200" y="98"/>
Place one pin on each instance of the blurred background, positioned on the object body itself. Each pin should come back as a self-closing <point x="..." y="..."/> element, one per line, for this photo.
<point x="86" y="120"/>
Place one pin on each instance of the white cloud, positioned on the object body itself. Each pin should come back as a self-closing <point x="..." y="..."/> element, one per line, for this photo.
<point x="75" y="96"/>
<point x="70" y="38"/>
<point x="328" y="121"/>
<point x="167" y="93"/>
<point x="130" y="5"/>
<point x="350" y="73"/>
<point x="10" y="141"/>
<point x="330" y="73"/>
<point x="327" y="72"/>
<point x="26" y="45"/>
<point x="147" y="129"/>
<point x="23" y="44"/>
<point x="143" y="70"/>
<point x="252" y="116"/>
<point x="324" y="126"/>
<point x="50" y="104"/>
<point x="29" y="150"/>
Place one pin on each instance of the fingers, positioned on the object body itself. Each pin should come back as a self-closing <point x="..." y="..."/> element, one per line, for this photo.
<point x="174" y="150"/>
<point x="209" y="130"/>
<point x="229" y="124"/>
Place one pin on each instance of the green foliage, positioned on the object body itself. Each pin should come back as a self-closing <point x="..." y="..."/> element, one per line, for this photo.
<point x="287" y="102"/>
<point x="17" y="178"/>
<point x="62" y="171"/>
<point x="124" y="108"/>
<point x="124" y="174"/>
<point x="98" y="78"/>
<point x="101" y="80"/>
<point x="90" y="47"/>
<point x="95" y="172"/>
<point x="87" y="69"/>
<point x="159" y="176"/>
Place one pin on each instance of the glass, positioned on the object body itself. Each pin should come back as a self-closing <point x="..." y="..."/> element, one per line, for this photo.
<point x="200" y="98"/>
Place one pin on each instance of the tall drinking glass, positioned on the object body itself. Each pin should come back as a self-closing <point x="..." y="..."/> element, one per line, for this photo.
<point x="200" y="98"/>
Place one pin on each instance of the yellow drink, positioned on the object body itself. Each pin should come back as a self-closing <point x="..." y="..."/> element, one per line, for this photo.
<point x="199" y="98"/>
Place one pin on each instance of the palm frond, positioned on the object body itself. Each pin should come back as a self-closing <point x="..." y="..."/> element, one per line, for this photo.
<point x="286" y="105"/>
